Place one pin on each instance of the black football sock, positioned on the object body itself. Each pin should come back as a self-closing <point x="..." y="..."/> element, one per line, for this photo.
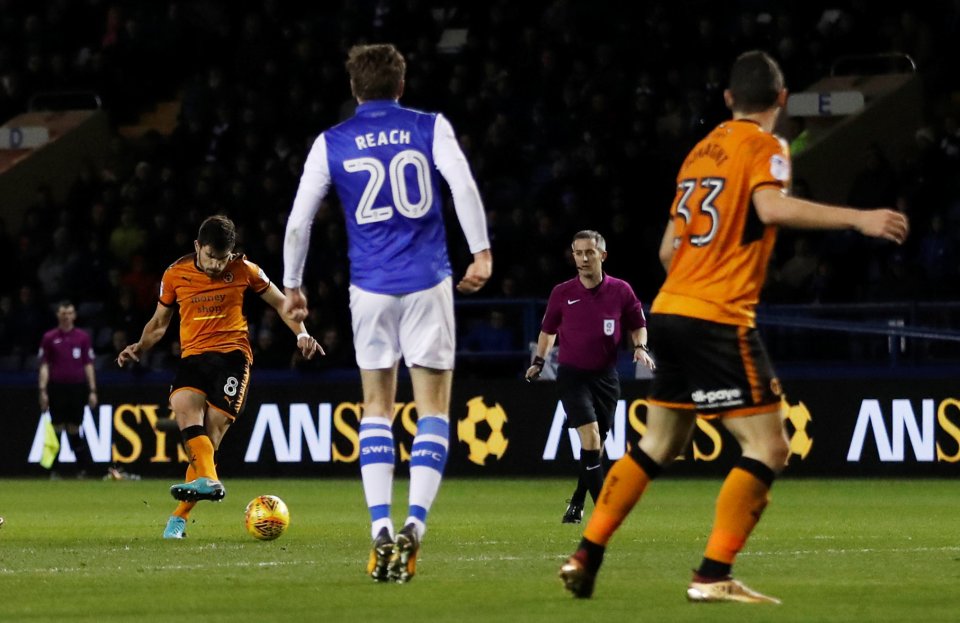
<point x="591" y="472"/>
<point x="580" y="494"/>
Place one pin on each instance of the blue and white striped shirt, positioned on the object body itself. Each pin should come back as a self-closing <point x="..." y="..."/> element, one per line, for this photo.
<point x="383" y="163"/>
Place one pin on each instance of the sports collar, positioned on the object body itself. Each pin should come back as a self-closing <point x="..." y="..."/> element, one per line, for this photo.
<point x="377" y="104"/>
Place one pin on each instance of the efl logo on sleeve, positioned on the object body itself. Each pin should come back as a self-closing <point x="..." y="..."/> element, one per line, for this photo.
<point x="779" y="168"/>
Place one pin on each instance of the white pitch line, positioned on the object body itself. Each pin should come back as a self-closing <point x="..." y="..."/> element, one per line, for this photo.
<point x="863" y="550"/>
<point x="8" y="571"/>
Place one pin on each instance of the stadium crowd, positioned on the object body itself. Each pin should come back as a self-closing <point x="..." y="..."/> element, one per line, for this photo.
<point x="574" y="116"/>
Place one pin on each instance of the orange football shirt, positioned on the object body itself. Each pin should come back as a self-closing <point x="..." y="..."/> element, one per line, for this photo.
<point x="721" y="248"/>
<point x="211" y="310"/>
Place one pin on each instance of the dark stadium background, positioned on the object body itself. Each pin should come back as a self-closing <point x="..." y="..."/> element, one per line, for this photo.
<point x="573" y="115"/>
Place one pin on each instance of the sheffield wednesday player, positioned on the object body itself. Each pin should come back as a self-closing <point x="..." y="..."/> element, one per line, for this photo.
<point x="383" y="163"/>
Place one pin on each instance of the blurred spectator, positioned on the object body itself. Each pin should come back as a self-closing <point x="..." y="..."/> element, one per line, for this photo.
<point x="876" y="184"/>
<point x="797" y="273"/>
<point x="128" y="237"/>
<point x="559" y="118"/>
<point x="938" y="259"/>
<point x="490" y="335"/>
<point x="269" y="353"/>
<point x="27" y="320"/>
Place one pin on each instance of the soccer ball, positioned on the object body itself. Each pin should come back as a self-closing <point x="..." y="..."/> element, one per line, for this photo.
<point x="266" y="517"/>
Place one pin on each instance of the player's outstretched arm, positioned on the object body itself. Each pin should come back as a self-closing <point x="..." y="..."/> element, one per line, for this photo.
<point x="478" y="273"/>
<point x="305" y="342"/>
<point x="152" y="333"/>
<point x="774" y="207"/>
<point x="884" y="223"/>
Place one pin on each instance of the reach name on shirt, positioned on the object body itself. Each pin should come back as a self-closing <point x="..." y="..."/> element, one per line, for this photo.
<point x="393" y="137"/>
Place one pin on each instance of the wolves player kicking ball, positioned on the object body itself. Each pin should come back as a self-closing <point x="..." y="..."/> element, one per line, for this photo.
<point x="266" y="517"/>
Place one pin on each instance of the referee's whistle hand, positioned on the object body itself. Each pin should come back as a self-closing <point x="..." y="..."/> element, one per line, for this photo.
<point x="644" y="358"/>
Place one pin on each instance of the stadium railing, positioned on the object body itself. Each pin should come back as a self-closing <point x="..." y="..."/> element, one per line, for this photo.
<point x="893" y="335"/>
<point x="896" y="338"/>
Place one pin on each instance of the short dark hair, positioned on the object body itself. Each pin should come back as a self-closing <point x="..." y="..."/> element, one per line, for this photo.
<point x="755" y="82"/>
<point x="376" y="71"/>
<point x="63" y="304"/>
<point x="218" y="232"/>
<point x="589" y="234"/>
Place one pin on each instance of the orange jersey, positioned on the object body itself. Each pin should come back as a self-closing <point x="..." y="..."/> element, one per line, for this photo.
<point x="721" y="248"/>
<point x="211" y="310"/>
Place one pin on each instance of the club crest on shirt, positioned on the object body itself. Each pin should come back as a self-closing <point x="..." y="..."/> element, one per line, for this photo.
<point x="609" y="325"/>
<point x="227" y="277"/>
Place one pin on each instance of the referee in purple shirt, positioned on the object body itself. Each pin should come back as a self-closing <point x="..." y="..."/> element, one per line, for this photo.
<point x="67" y="380"/>
<point x="589" y="313"/>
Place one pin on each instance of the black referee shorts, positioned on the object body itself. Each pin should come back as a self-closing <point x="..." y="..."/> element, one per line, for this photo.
<point x="67" y="401"/>
<point x="589" y="396"/>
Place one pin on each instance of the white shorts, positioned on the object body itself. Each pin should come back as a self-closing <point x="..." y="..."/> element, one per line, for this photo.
<point x="418" y="325"/>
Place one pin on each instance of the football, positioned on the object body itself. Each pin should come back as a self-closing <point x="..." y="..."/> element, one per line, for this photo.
<point x="266" y="517"/>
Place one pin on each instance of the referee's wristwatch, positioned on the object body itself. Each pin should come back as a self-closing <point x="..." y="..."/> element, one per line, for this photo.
<point x="642" y="347"/>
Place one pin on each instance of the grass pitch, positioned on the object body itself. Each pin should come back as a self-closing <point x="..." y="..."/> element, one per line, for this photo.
<point x="872" y="550"/>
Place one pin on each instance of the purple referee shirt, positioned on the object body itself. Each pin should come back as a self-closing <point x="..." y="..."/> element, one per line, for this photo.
<point x="589" y="322"/>
<point x="66" y="353"/>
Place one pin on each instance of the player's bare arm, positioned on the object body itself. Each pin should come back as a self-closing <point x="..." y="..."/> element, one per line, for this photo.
<point x="774" y="207"/>
<point x="153" y="332"/>
<point x="91" y="375"/>
<point x="44" y="380"/>
<point x="294" y="305"/>
<point x="666" y="246"/>
<point x="478" y="273"/>
<point x="305" y="342"/>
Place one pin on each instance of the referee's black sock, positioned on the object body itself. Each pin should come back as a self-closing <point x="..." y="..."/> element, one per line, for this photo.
<point x="580" y="493"/>
<point x="591" y="472"/>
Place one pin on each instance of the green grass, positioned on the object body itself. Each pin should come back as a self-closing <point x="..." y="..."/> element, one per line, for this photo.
<point x="832" y="550"/>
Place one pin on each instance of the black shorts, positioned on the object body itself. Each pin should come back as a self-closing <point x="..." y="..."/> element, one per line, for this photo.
<point x="67" y="401"/>
<point x="713" y="368"/>
<point x="222" y="377"/>
<point x="589" y="396"/>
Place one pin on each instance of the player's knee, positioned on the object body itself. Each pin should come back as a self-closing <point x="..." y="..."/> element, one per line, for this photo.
<point x="777" y="454"/>
<point x="589" y="436"/>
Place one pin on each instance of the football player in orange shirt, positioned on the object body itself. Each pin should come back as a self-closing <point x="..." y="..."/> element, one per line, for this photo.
<point x="210" y="387"/>
<point x="732" y="195"/>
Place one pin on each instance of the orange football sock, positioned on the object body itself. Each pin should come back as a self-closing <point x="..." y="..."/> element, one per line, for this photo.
<point x="622" y="489"/>
<point x="200" y="451"/>
<point x="183" y="508"/>
<point x="742" y="499"/>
